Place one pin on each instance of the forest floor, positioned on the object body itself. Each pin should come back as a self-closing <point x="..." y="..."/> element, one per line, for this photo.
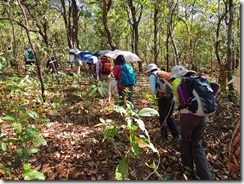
<point x="76" y="151"/>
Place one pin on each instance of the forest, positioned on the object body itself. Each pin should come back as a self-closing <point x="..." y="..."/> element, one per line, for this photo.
<point x="60" y="126"/>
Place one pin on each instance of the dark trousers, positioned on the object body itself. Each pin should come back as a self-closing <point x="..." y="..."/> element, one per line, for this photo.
<point x="165" y="110"/>
<point x="28" y="63"/>
<point x="122" y="92"/>
<point x="191" y="149"/>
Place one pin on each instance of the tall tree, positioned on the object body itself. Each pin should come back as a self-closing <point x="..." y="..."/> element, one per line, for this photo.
<point x="136" y="13"/>
<point x="106" y="7"/>
<point x="70" y="11"/>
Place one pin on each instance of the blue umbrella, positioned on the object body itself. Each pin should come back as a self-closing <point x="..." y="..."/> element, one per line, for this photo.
<point x="87" y="57"/>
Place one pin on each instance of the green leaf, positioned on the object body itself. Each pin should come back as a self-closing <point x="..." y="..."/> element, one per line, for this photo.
<point x="120" y="109"/>
<point x="9" y="118"/>
<point x="24" y="117"/>
<point x="33" y="150"/>
<point x="17" y="127"/>
<point x="4" y="146"/>
<point x="135" y="148"/>
<point x="152" y="165"/>
<point x="147" y="112"/>
<point x="7" y="169"/>
<point x="31" y="132"/>
<point x="22" y="107"/>
<point x="140" y="124"/>
<point x="24" y="156"/>
<point x="121" y="172"/>
<point x="40" y="141"/>
<point x="34" y="175"/>
<point x="26" y="167"/>
<point x="33" y="115"/>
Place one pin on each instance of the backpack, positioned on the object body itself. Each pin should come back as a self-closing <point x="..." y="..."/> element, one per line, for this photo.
<point x="128" y="76"/>
<point x="162" y="83"/>
<point x="202" y="101"/>
<point x="30" y="54"/>
<point x="105" y="66"/>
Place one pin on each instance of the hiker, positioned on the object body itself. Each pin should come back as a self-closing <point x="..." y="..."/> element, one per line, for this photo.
<point x="29" y="57"/>
<point x="166" y="103"/>
<point x="103" y="69"/>
<point x="125" y="76"/>
<point x="52" y="64"/>
<point x="233" y="156"/>
<point x="192" y="128"/>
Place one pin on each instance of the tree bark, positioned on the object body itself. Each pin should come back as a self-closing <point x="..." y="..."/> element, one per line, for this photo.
<point x="135" y="23"/>
<point x="106" y="8"/>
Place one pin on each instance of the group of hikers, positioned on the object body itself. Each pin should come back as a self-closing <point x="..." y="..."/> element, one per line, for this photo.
<point x="181" y="85"/>
<point x="29" y="56"/>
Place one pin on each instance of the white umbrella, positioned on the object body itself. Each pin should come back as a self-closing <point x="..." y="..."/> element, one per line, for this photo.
<point x="129" y="56"/>
<point x="103" y="52"/>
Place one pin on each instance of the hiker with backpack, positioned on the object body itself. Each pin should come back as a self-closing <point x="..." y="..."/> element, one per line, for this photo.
<point x="52" y="64"/>
<point x="29" y="57"/>
<point x="103" y="70"/>
<point x="125" y="76"/>
<point x="165" y="97"/>
<point x="193" y="118"/>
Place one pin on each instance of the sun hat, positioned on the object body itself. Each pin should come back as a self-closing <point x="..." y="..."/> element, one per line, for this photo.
<point x="179" y="71"/>
<point x="151" y="67"/>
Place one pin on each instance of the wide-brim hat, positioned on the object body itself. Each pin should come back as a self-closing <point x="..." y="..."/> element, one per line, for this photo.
<point x="151" y="67"/>
<point x="180" y="71"/>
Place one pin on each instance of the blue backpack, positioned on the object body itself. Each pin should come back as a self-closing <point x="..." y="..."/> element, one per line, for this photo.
<point x="128" y="76"/>
<point x="30" y="54"/>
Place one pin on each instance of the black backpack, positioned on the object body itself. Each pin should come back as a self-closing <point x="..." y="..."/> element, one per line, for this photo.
<point x="203" y="100"/>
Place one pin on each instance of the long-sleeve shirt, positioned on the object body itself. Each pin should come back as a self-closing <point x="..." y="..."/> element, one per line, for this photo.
<point x="152" y="83"/>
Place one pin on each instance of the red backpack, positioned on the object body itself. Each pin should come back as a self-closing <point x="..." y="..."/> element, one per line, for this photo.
<point x="106" y="66"/>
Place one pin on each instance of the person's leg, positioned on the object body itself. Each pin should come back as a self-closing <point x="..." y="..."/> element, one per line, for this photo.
<point x="162" y="110"/>
<point x="198" y="152"/>
<point x="186" y="128"/>
<point x="173" y="127"/>
<point x="131" y="96"/>
<point x="121" y="96"/>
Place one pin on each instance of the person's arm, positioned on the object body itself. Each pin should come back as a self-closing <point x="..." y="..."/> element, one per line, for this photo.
<point x="152" y="84"/>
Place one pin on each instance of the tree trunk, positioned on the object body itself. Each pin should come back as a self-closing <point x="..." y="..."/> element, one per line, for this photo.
<point x="135" y="23"/>
<point x="229" y="43"/>
<point x="155" y="47"/>
<point x="106" y="8"/>
<point x="35" y="53"/>
<point x="170" y="24"/>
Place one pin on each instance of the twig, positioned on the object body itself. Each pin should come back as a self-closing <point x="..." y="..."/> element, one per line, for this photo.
<point x="154" y="170"/>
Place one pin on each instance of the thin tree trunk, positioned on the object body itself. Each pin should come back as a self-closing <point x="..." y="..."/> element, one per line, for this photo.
<point x="229" y="43"/>
<point x="35" y="53"/>
<point x="155" y="48"/>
